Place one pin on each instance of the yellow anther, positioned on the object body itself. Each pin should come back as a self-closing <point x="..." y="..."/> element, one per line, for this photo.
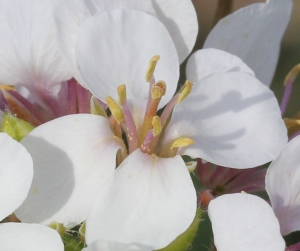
<point x="158" y="90"/>
<point x="115" y="109"/>
<point x="292" y="74"/>
<point x="7" y="87"/>
<point x="156" y="123"/>
<point x="122" y="93"/>
<point x="96" y="107"/>
<point x="185" y="91"/>
<point x="151" y="67"/>
<point x="182" y="142"/>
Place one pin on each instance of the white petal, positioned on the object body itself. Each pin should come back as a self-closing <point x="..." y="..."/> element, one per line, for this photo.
<point x="244" y="222"/>
<point x="113" y="246"/>
<point x="282" y="184"/>
<point x="180" y="18"/>
<point x="28" y="48"/>
<point x="73" y="157"/>
<point x="149" y="200"/>
<point x="207" y="61"/>
<point x="254" y="34"/>
<point x="132" y="38"/>
<point x="73" y="13"/>
<point x="16" y="171"/>
<point x="233" y="118"/>
<point x="29" y="237"/>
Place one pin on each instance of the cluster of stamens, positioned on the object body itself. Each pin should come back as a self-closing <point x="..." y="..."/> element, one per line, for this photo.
<point x="149" y="136"/>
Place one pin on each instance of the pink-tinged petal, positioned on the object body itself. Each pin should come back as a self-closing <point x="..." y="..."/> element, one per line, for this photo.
<point x="234" y="119"/>
<point x="208" y="61"/>
<point x="180" y="18"/>
<point x="16" y="172"/>
<point x="254" y="34"/>
<point x="73" y="157"/>
<point x="101" y="245"/>
<point x="28" y="48"/>
<point x="282" y="184"/>
<point x="149" y="200"/>
<point x="29" y="237"/>
<point x="132" y="38"/>
<point x="244" y="222"/>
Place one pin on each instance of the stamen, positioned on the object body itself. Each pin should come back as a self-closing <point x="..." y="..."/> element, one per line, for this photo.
<point x="182" y="142"/>
<point x="129" y="125"/>
<point x="96" y="107"/>
<point x="185" y="91"/>
<point x="158" y="90"/>
<point x="156" y="125"/>
<point x="115" y="109"/>
<point x="7" y="87"/>
<point x="288" y="83"/>
<point x="122" y="94"/>
<point x="151" y="67"/>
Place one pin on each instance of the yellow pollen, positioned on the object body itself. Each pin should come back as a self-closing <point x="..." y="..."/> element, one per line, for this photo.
<point x="151" y="67"/>
<point x="292" y="74"/>
<point x="122" y="93"/>
<point x="158" y="90"/>
<point x="185" y="91"/>
<point x="7" y="87"/>
<point x="156" y="123"/>
<point x="182" y="142"/>
<point x="115" y="109"/>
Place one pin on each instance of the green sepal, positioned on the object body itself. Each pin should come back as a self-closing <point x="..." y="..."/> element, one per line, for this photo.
<point x="72" y="244"/>
<point x="14" y="127"/>
<point x="183" y="241"/>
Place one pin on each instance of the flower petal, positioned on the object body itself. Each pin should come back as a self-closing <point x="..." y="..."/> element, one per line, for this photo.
<point x="207" y="61"/>
<point x="233" y="118"/>
<point x="16" y="172"/>
<point x="123" y="56"/>
<point x="244" y="222"/>
<point x="72" y="13"/>
<point x="154" y="201"/>
<point x="28" y="49"/>
<point x="180" y="18"/>
<point x="73" y="157"/>
<point x="29" y="237"/>
<point x="101" y="245"/>
<point x="254" y="34"/>
<point x="282" y="184"/>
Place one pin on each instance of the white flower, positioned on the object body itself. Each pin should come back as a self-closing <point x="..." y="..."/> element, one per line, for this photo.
<point x="254" y="33"/>
<point x="16" y="173"/>
<point x="232" y="119"/>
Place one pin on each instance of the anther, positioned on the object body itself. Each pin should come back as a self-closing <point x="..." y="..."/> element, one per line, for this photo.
<point x="7" y="87"/>
<point x="122" y="93"/>
<point x="158" y="90"/>
<point x="185" y="91"/>
<point x="151" y="67"/>
<point x="115" y="109"/>
<point x="156" y="125"/>
<point x="182" y="142"/>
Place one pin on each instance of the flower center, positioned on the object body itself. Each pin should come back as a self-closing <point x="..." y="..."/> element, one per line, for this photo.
<point x="149" y="138"/>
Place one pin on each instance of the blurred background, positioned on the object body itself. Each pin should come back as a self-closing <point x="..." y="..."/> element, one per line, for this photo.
<point x="289" y="57"/>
